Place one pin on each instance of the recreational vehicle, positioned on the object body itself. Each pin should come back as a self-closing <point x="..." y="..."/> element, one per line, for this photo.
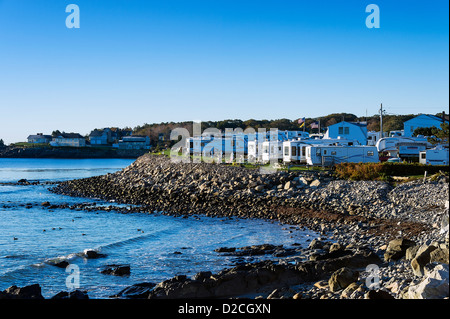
<point x="396" y="146"/>
<point x="271" y="151"/>
<point x="329" y="155"/>
<point x="295" y="151"/>
<point x="435" y="156"/>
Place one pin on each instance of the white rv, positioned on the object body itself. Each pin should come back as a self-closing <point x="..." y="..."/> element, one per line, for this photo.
<point x="435" y="156"/>
<point x="393" y="145"/>
<point x="295" y="151"/>
<point x="328" y="155"/>
<point x="373" y="137"/>
<point x="272" y="151"/>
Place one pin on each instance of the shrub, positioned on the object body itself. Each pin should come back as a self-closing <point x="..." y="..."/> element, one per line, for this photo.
<point x="382" y="171"/>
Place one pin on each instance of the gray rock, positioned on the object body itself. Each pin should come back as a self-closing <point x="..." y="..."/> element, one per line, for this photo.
<point x="435" y="285"/>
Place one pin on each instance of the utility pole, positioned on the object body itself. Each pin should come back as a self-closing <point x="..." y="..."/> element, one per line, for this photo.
<point x="381" y="119"/>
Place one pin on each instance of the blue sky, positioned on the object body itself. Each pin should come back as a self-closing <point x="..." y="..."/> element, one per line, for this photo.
<point x="136" y="62"/>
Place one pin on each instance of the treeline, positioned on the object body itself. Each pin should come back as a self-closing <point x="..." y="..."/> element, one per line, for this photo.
<point x="390" y="123"/>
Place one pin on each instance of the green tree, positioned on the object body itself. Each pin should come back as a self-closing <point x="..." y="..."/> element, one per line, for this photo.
<point x="2" y="144"/>
<point x="435" y="135"/>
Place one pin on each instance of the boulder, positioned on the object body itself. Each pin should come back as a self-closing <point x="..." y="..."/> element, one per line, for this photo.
<point x="411" y="252"/>
<point x="439" y="255"/>
<point x="288" y="185"/>
<point x="259" y="188"/>
<point x="137" y="291"/>
<point x="27" y="292"/>
<point x="117" y="270"/>
<point x="435" y="285"/>
<point x="335" y="247"/>
<point x="92" y="254"/>
<point x="421" y="259"/>
<point x="315" y="183"/>
<point x="315" y="244"/>
<point x="347" y="292"/>
<point x="76" y="294"/>
<point x="342" y="278"/>
<point x="397" y="249"/>
<point x="378" y="294"/>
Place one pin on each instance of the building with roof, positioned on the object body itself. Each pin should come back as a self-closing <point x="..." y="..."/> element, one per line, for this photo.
<point x="134" y="142"/>
<point x="423" y="120"/>
<point x="39" y="138"/>
<point x="348" y="130"/>
<point x="100" y="137"/>
<point x="69" y="139"/>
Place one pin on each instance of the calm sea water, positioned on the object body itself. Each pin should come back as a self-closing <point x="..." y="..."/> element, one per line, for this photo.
<point x="151" y="243"/>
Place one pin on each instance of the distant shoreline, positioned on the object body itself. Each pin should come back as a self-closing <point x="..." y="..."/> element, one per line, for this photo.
<point x="68" y="152"/>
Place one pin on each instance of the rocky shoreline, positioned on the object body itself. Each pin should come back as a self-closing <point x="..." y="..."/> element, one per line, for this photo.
<point x="68" y="152"/>
<point x="377" y="240"/>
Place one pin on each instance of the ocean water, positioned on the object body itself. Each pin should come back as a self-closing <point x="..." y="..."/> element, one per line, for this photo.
<point x="155" y="246"/>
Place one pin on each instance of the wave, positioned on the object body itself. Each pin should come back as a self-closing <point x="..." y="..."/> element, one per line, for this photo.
<point x="154" y="236"/>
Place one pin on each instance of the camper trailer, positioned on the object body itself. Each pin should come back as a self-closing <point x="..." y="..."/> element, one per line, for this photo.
<point x="398" y="146"/>
<point x="295" y="151"/>
<point x="435" y="156"/>
<point x="271" y="151"/>
<point x="329" y="155"/>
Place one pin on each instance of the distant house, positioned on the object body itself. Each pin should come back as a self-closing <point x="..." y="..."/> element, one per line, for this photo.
<point x="423" y="120"/>
<point x="69" y="139"/>
<point x="117" y="134"/>
<point x="134" y="142"/>
<point x="100" y="137"/>
<point x="39" y="138"/>
<point x="348" y="130"/>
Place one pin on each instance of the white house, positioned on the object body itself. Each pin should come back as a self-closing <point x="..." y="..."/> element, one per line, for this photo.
<point x="348" y="130"/>
<point x="423" y="120"/>
<point x="69" y="139"/>
<point x="134" y="142"/>
<point x="39" y="138"/>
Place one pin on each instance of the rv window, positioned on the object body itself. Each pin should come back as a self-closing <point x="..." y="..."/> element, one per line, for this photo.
<point x="286" y="150"/>
<point x="318" y="151"/>
<point x="324" y="152"/>
<point x="423" y="156"/>
<point x="294" y="151"/>
<point x="369" y="153"/>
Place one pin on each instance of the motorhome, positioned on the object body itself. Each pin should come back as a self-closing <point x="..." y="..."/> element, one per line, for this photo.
<point x="329" y="155"/>
<point x="435" y="156"/>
